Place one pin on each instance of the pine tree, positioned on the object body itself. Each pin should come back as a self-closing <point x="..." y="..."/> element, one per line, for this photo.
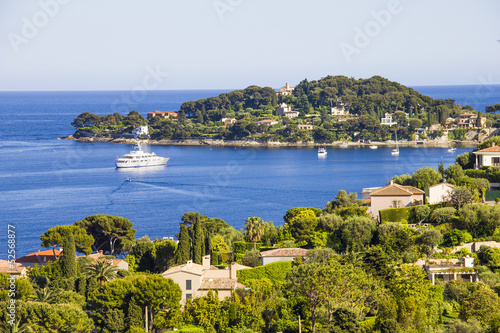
<point x="198" y="243"/>
<point x="184" y="248"/>
<point x="135" y="314"/>
<point x="68" y="259"/>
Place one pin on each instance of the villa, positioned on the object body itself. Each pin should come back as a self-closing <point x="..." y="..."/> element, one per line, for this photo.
<point x="284" y="254"/>
<point x="139" y="131"/>
<point x="394" y="196"/>
<point x="285" y="90"/>
<point x="388" y="120"/>
<point x="40" y="257"/>
<point x="284" y="110"/>
<point x="451" y="269"/>
<point x="487" y="157"/>
<point x="305" y="127"/>
<point x="196" y="280"/>
<point x="163" y="114"/>
<point x="439" y="193"/>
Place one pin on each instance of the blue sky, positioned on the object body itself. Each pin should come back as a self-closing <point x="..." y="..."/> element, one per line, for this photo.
<point x="212" y="44"/>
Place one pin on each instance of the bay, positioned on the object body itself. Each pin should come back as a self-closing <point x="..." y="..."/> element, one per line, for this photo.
<point x="46" y="182"/>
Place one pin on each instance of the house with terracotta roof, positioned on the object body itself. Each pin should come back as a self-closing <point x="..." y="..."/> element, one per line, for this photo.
<point x="15" y="269"/>
<point x="117" y="263"/>
<point x="487" y="157"/>
<point x="439" y="193"/>
<point x="395" y="196"/>
<point x="284" y="254"/>
<point x="40" y="257"/>
<point x="285" y="90"/>
<point x="470" y="120"/>
<point x="284" y="110"/>
<point x="163" y="114"/>
<point x="268" y="122"/>
<point x="196" y="280"/>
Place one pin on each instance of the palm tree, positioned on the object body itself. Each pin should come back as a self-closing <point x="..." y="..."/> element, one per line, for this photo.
<point x="254" y="229"/>
<point x="45" y="295"/>
<point x="16" y="328"/>
<point x="101" y="270"/>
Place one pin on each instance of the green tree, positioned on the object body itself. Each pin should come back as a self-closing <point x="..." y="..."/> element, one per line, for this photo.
<point x="254" y="229"/>
<point x="302" y="225"/>
<point x="54" y="238"/>
<point x="198" y="243"/>
<point x="101" y="270"/>
<point x="68" y="260"/>
<point x="422" y="212"/>
<point x="86" y="119"/>
<point x="357" y="233"/>
<point x="426" y="177"/>
<point x="184" y="248"/>
<point x="112" y="234"/>
<point x="460" y="196"/>
<point x="483" y="305"/>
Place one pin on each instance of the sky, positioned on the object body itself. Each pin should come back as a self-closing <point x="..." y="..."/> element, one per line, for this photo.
<point x="231" y="44"/>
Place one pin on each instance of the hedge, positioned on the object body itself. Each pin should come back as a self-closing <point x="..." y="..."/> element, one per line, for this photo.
<point x="276" y="272"/>
<point x="191" y="329"/>
<point x="404" y="214"/>
<point x="242" y="247"/>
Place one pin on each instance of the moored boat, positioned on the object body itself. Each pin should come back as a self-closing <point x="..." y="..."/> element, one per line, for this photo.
<point x="322" y="152"/>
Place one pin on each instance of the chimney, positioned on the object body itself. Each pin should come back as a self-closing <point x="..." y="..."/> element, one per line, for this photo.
<point x="189" y="263"/>
<point x="493" y="144"/>
<point x="206" y="261"/>
<point x="391" y="182"/>
<point x="232" y="273"/>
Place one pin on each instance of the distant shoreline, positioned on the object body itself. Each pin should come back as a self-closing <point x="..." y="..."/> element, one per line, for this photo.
<point x="255" y="143"/>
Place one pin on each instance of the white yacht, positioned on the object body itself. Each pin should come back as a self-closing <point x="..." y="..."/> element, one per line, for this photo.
<point x="373" y="147"/>
<point x="138" y="158"/>
<point x="452" y="149"/>
<point x="322" y="152"/>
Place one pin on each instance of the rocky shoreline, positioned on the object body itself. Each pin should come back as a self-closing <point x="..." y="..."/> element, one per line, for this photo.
<point x="256" y="143"/>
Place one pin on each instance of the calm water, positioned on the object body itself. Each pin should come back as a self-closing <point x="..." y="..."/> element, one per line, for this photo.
<point x="46" y="182"/>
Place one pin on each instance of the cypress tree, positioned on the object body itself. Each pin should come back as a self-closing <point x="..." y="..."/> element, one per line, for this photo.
<point x="68" y="259"/>
<point x="198" y="243"/>
<point x="184" y="248"/>
<point x="135" y="314"/>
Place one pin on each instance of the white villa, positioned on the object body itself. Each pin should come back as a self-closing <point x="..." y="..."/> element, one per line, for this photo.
<point x="488" y="156"/>
<point x="387" y="120"/>
<point x="284" y="110"/>
<point x="339" y="109"/>
<point x="141" y="130"/>
<point x="452" y="269"/>
<point x="439" y="193"/>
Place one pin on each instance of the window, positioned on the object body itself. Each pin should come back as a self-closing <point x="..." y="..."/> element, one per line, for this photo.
<point x="189" y="296"/>
<point x="188" y="284"/>
<point x="496" y="160"/>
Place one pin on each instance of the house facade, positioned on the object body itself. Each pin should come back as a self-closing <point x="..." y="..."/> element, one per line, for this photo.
<point x="439" y="193"/>
<point x="395" y="196"/>
<point x="305" y="127"/>
<point x="163" y="114"/>
<point x="15" y="269"/>
<point x="387" y="120"/>
<point x="196" y="280"/>
<point x="228" y="121"/>
<point x="284" y="110"/>
<point x="451" y="269"/>
<point x="139" y="131"/>
<point x="470" y="121"/>
<point x="285" y="90"/>
<point x="488" y="157"/>
<point x="285" y="254"/>
<point x="268" y="122"/>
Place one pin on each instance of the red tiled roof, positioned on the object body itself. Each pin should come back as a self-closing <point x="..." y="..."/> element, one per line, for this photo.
<point x="40" y="257"/>
<point x="494" y="149"/>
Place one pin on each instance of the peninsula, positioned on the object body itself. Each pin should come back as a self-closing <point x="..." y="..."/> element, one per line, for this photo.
<point x="329" y="111"/>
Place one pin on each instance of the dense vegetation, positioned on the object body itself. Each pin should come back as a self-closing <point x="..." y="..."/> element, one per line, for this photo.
<point x="367" y="101"/>
<point x="357" y="276"/>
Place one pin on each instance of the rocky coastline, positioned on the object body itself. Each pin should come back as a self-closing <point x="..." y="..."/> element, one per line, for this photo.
<point x="257" y="143"/>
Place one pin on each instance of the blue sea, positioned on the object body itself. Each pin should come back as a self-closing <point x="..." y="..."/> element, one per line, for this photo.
<point x="46" y="182"/>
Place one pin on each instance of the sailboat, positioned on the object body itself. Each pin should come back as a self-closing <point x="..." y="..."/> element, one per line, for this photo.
<point x="395" y="151"/>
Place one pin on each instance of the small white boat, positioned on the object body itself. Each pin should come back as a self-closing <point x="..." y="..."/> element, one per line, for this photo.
<point x="322" y="152"/>
<point x="344" y="145"/>
<point x="138" y="158"/>
<point x="452" y="149"/>
<point x="395" y="151"/>
<point x="373" y="147"/>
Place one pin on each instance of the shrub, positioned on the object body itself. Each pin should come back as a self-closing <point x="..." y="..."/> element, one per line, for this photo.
<point x="276" y="272"/>
<point x="251" y="258"/>
<point x="192" y="329"/>
<point x="456" y="237"/>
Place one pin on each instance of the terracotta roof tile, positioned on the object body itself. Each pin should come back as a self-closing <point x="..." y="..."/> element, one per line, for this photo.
<point x="396" y="190"/>
<point x="286" y="252"/>
<point x="40" y="257"/>
<point x="494" y="149"/>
